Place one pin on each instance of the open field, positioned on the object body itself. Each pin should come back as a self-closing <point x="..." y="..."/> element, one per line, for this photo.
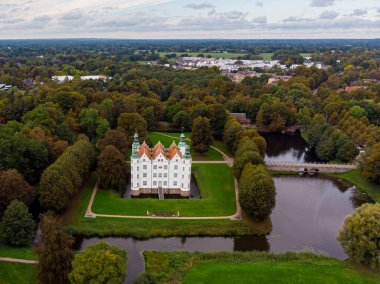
<point x="355" y="177"/>
<point x="253" y="267"/>
<point x="76" y="223"/>
<point x="17" y="252"/>
<point x="211" y="155"/>
<point x="212" y="54"/>
<point x="266" y="56"/>
<point x="17" y="273"/>
<point x="217" y="197"/>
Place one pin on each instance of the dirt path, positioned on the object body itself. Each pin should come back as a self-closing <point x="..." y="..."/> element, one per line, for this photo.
<point x="18" y="260"/>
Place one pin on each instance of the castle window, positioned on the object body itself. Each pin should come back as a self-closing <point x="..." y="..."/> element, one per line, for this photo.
<point x="155" y="167"/>
<point x="145" y="167"/>
<point x="144" y="183"/>
<point x="165" y="167"/>
<point x="144" y="175"/>
<point x="137" y="175"/>
<point x="174" y="183"/>
<point x="176" y="167"/>
<point x="155" y="175"/>
<point x="175" y="175"/>
<point x="154" y="183"/>
<point x="160" y="175"/>
<point x="137" y="168"/>
<point x="165" y="175"/>
<point x="165" y="183"/>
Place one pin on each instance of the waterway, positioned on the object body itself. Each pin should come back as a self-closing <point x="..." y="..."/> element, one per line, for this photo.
<point x="308" y="214"/>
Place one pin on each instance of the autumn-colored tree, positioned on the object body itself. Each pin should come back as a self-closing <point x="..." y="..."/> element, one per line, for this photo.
<point x="112" y="169"/>
<point x="360" y="235"/>
<point x="129" y="123"/>
<point x="201" y="137"/>
<point x="13" y="186"/>
<point x="55" y="253"/>
<point x="247" y="157"/>
<point x="150" y="118"/>
<point x="18" y="224"/>
<point x="371" y="166"/>
<point x="58" y="148"/>
<point x="115" y="138"/>
<point x="232" y="133"/>
<point x="99" y="263"/>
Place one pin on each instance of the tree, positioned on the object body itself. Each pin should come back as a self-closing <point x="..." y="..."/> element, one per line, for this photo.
<point x="201" y="137"/>
<point x="129" y="123"/>
<point x="232" y="133"/>
<point x="360" y="235"/>
<point x="112" y="169"/>
<point x="150" y="118"/>
<point x="371" y="167"/>
<point x="18" y="224"/>
<point x="99" y="263"/>
<point x="357" y="112"/>
<point x="247" y="157"/>
<point x="93" y="125"/>
<point x="182" y="119"/>
<point x="115" y="138"/>
<point x="257" y="194"/>
<point x="55" y="251"/>
<point x="347" y="151"/>
<point x="13" y="186"/>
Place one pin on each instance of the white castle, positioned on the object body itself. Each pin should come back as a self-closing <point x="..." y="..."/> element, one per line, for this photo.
<point x="160" y="169"/>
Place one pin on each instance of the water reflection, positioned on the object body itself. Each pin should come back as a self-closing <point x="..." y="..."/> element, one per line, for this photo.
<point x="288" y="148"/>
<point x="308" y="214"/>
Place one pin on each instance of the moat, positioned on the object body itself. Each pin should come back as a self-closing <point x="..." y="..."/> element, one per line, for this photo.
<point x="308" y="214"/>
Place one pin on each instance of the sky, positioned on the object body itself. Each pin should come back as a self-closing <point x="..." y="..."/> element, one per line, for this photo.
<point x="189" y="19"/>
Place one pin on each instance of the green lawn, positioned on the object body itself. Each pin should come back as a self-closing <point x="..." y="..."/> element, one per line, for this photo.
<point x="266" y="56"/>
<point x="76" y="223"/>
<point x="306" y="54"/>
<point x="211" y="155"/>
<point x="355" y="177"/>
<point x="253" y="267"/>
<point x="217" y="197"/>
<point x="17" y="273"/>
<point x="212" y="54"/>
<point x="16" y="252"/>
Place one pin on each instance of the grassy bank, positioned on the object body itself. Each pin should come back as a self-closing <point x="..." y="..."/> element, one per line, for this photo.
<point x="17" y="252"/>
<point x="355" y="177"/>
<point x="210" y="155"/>
<point x="17" y="273"/>
<point x="75" y="222"/>
<point x="253" y="267"/>
<point x="217" y="197"/>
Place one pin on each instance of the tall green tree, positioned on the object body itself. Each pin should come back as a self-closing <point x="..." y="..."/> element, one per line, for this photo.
<point x="129" y="123"/>
<point x="150" y="118"/>
<point x="371" y="166"/>
<point x="18" y="224"/>
<point x="115" y="138"/>
<point x="55" y="253"/>
<point x="99" y="263"/>
<point x="112" y="169"/>
<point x="201" y="138"/>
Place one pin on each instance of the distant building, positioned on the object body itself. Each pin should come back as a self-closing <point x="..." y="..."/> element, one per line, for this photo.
<point x="354" y="88"/>
<point x="242" y="118"/>
<point x="4" y="87"/>
<point x="160" y="168"/>
<point x="64" y="78"/>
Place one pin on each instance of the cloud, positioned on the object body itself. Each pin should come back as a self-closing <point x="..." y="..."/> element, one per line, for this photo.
<point x="295" y="19"/>
<point x="259" y="4"/>
<point x="260" y="20"/>
<point x="359" y="12"/>
<point x="199" y="6"/>
<point x="322" y="3"/>
<point x="329" y="15"/>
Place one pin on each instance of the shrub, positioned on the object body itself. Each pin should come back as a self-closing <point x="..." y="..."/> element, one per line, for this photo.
<point x="99" y="263"/>
<point x="246" y="157"/>
<point x="18" y="224"/>
<point x="360" y="235"/>
<point x="145" y="278"/>
<point x="371" y="167"/>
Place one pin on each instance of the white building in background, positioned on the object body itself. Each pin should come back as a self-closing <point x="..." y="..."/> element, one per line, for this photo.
<point x="160" y="169"/>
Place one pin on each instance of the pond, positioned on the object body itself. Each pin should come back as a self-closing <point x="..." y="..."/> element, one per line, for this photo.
<point x="308" y="214"/>
<point x="288" y="148"/>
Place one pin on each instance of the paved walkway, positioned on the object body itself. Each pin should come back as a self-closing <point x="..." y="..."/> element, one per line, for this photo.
<point x="18" y="260"/>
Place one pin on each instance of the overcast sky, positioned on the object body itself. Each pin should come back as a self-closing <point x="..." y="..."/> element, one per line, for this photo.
<point x="190" y="19"/>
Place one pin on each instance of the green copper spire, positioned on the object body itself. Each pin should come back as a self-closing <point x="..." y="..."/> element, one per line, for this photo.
<point x="135" y="146"/>
<point x="187" y="153"/>
<point x="182" y="142"/>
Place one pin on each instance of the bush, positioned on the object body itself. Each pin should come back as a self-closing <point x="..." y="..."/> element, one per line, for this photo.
<point x="246" y="144"/>
<point x="371" y="167"/>
<point x="99" y="263"/>
<point x="257" y="194"/>
<point x="18" y="224"/>
<point x="360" y="235"/>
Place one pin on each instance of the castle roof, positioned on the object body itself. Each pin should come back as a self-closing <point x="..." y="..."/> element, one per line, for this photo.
<point x="144" y="149"/>
<point x="159" y="149"/>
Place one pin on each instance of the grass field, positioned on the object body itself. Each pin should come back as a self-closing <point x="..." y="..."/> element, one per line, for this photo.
<point x="211" y="155"/>
<point x="76" y="223"/>
<point x="253" y="267"/>
<point x="266" y="56"/>
<point x="355" y="177"/>
<point x="217" y="197"/>
<point x="212" y="54"/>
<point x="17" y="273"/>
<point x="16" y="252"/>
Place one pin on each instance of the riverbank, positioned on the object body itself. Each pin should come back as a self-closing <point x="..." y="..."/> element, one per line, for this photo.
<point x="253" y="267"/>
<point x="356" y="178"/>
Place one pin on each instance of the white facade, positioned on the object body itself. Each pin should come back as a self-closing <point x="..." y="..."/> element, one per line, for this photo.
<point x="160" y="167"/>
